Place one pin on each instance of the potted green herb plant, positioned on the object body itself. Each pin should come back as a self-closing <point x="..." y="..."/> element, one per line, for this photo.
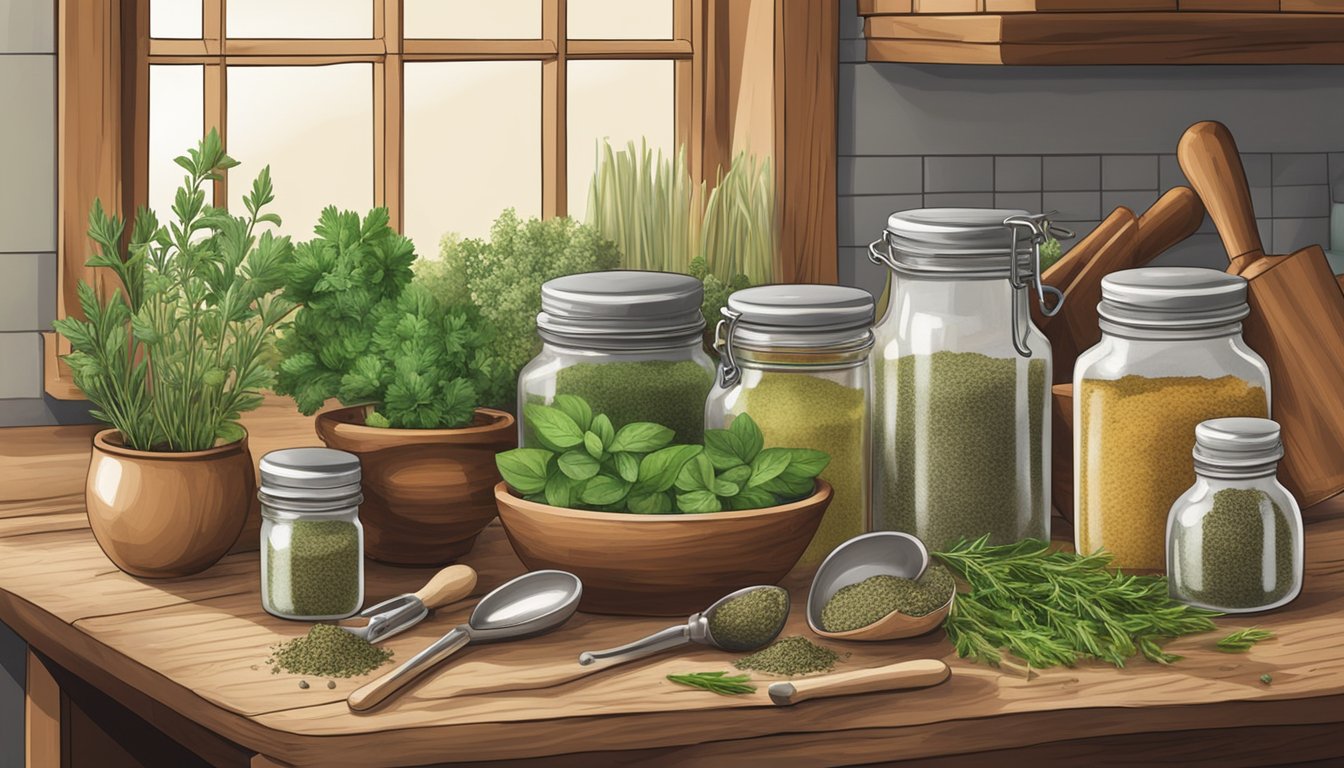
<point x="171" y="360"/>
<point x="413" y="368"/>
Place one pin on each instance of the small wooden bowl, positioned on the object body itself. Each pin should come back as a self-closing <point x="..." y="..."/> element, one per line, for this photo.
<point x="661" y="565"/>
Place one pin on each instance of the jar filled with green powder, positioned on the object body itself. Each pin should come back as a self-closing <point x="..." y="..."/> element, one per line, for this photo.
<point x="795" y="357"/>
<point x="312" y="544"/>
<point x="1234" y="540"/>
<point x="961" y="378"/>
<point x="630" y="343"/>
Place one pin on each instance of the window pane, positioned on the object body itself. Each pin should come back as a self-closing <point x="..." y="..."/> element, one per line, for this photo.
<point x="466" y="158"/>
<point x="503" y="19"/>
<point x="299" y="18"/>
<point x="620" y="19"/>
<point x="176" y="111"/>
<point x="175" y="18"/>
<point x="314" y="127"/>
<point x="619" y="101"/>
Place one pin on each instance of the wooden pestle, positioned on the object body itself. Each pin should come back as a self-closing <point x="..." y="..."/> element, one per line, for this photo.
<point x="1208" y="155"/>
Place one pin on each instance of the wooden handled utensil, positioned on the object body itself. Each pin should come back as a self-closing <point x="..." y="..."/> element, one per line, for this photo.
<point x="905" y="675"/>
<point x="400" y="613"/>
<point x="1175" y="216"/>
<point x="1208" y="156"/>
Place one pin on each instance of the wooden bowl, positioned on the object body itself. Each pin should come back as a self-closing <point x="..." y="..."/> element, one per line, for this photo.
<point x="661" y="565"/>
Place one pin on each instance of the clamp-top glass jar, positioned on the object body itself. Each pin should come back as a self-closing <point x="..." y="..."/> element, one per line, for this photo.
<point x="630" y="343"/>
<point x="1170" y="356"/>
<point x="1234" y="540"/>
<point x="795" y="357"/>
<point x="961" y="391"/>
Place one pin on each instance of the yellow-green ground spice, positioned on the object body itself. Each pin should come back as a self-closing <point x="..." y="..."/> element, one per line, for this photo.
<point x="796" y="410"/>
<point x="951" y="463"/>
<point x="1223" y="563"/>
<point x="790" y="657"/>
<point x="668" y="393"/>
<point x="318" y="575"/>
<point x="327" y="651"/>
<point x="859" y="605"/>
<point x="751" y="620"/>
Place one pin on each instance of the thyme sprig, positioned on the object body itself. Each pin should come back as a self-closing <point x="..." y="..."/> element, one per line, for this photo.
<point x="719" y="682"/>
<point x="1052" y="607"/>
<point x="1242" y="640"/>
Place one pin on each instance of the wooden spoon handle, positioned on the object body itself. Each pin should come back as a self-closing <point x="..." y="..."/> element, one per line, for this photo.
<point x="893" y="677"/>
<point x="448" y="586"/>
<point x="1174" y="217"/>
<point x="1208" y="155"/>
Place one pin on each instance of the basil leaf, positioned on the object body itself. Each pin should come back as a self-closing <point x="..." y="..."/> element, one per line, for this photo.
<point x="789" y="489"/>
<point x="768" y="465"/>
<point x="553" y="427"/>
<point x="578" y="465"/>
<point x="604" y="490"/>
<point x="524" y="469"/>
<point x="575" y="408"/>
<point x="698" y="502"/>
<point x="560" y="490"/>
<point x="696" y="475"/>
<point x="805" y="463"/>
<point x="739" y="475"/>
<point x="726" y="489"/>
<point x="601" y="427"/>
<point x="723" y="448"/>
<point x="641" y="437"/>
<point x="752" y="498"/>
<point x="650" y="504"/>
<point x="627" y="466"/>
<point x="748" y="436"/>
<point x="539" y="498"/>
<point x="659" y="470"/>
<point x="593" y="444"/>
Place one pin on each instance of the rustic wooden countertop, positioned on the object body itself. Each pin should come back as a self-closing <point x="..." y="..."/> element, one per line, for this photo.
<point x="187" y="655"/>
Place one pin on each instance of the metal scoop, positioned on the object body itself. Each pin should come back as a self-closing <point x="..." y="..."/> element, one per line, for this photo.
<point x="695" y="630"/>
<point x="873" y="554"/>
<point x="531" y="604"/>
<point x="400" y="613"/>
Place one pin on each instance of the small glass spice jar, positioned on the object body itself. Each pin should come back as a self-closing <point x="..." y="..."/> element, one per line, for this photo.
<point x="795" y="358"/>
<point x="1234" y="540"/>
<point x="312" y="544"/>
<point x="630" y="343"/>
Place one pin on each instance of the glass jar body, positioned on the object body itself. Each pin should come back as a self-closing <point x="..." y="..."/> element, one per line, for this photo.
<point x="1235" y="545"/>
<point x="1137" y="400"/>
<point x="664" y="385"/>
<point x="961" y="419"/>
<point x="312" y="561"/>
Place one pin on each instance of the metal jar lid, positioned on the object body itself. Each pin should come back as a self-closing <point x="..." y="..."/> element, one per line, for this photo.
<point x="828" y="318"/>
<point x="621" y="309"/>
<point x="310" y="475"/>
<point x="1237" y="446"/>
<point x="1175" y="298"/>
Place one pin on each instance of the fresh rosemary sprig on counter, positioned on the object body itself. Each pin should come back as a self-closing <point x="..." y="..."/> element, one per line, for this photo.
<point x="718" y="682"/>
<point x="1052" y="607"/>
<point x="1242" y="640"/>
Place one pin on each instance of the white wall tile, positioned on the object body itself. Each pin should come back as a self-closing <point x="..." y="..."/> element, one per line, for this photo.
<point x="20" y="365"/>
<point x="27" y="26"/>
<point x="27" y="153"/>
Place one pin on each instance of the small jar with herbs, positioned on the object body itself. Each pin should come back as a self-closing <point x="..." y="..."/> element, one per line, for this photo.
<point x="629" y="343"/>
<point x="1171" y="355"/>
<point x="1234" y="540"/>
<point x="795" y="357"/>
<point x="312" y="544"/>
<point x="961" y="378"/>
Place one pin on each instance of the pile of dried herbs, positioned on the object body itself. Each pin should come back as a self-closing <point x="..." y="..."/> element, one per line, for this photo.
<point x="327" y="651"/>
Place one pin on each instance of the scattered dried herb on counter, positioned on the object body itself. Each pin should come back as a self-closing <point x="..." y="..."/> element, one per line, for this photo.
<point x="1224" y="563"/>
<point x="750" y="621"/>
<point x="859" y="605"/>
<point x="659" y="391"/>
<point x="1243" y="640"/>
<point x="327" y="651"/>
<point x="790" y="657"/>
<point x="718" y="682"/>
<point x="318" y="573"/>
<point x="1266" y="678"/>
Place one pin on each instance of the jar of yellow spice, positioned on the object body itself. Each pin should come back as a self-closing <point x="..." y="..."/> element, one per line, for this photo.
<point x="1171" y="356"/>
<point x="795" y="358"/>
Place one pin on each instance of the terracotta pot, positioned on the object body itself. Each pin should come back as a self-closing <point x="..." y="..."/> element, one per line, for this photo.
<point x="160" y="515"/>
<point x="661" y="565"/>
<point x="427" y="492"/>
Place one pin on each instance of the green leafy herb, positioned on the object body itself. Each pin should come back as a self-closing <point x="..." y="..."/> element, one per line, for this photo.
<point x="1266" y="678"/>
<point x="718" y="682"/>
<point x="1242" y="640"/>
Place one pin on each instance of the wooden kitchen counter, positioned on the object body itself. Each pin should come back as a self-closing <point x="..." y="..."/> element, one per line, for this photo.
<point x="187" y="655"/>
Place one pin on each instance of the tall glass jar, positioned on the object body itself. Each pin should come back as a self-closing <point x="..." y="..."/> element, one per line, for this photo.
<point x="1170" y="356"/>
<point x="630" y="343"/>
<point x="795" y="357"/>
<point x="961" y="378"/>
<point x="1234" y="540"/>
<point x="312" y="544"/>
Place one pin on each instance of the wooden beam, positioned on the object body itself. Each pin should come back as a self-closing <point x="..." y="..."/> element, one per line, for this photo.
<point x="388" y="188"/>
<point x="629" y="49"/>
<point x="43" y="705"/>
<point x="554" y="111"/>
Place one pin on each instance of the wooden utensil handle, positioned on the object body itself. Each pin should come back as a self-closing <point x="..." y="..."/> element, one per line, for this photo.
<point x="893" y="677"/>
<point x="448" y="586"/>
<point x="1174" y="217"/>
<point x="1208" y="155"/>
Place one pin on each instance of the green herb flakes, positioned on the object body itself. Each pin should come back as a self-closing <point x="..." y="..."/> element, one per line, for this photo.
<point x="790" y="657"/>
<point x="1266" y="678"/>
<point x="859" y="605"/>
<point x="327" y="651"/>
<point x="750" y="621"/>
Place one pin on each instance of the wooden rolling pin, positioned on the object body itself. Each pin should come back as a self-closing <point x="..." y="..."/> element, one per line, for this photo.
<point x="904" y="675"/>
<point x="1208" y="155"/>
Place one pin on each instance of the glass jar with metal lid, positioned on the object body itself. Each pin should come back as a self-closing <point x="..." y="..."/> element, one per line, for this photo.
<point x="1170" y="356"/>
<point x="795" y="357"/>
<point x="961" y="390"/>
<point x="1234" y="540"/>
<point x="629" y="343"/>
<point x="312" y="544"/>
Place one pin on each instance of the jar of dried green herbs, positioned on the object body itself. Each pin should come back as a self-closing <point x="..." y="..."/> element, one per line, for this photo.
<point x="961" y="378"/>
<point x="1234" y="540"/>
<point x="795" y="357"/>
<point x="312" y="545"/>
<point x="630" y="343"/>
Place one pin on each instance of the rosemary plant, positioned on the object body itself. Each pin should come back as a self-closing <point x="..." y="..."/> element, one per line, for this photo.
<point x="1243" y="640"/>
<point x="718" y="682"/>
<point x="173" y="357"/>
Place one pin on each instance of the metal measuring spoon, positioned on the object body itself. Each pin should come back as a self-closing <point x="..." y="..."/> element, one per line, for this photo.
<point x="531" y="604"/>
<point x="879" y="553"/>
<point x="695" y="630"/>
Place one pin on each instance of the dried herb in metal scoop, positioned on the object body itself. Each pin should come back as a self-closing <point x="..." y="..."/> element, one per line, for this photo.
<point x="749" y="621"/>
<point x="327" y="651"/>
<point x="858" y="605"/>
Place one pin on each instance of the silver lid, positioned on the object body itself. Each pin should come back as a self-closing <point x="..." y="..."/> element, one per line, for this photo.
<point x="309" y="474"/>
<point x="1238" y="446"/>
<point x="621" y="309"/>
<point x="803" y="308"/>
<point x="1177" y="298"/>
<point x="960" y="241"/>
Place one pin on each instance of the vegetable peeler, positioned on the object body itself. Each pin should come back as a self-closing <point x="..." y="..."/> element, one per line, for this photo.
<point x="400" y="613"/>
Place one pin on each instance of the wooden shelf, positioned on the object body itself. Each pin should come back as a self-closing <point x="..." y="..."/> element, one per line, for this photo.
<point x="1058" y="33"/>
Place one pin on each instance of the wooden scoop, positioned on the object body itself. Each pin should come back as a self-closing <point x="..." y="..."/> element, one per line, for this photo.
<point x="895" y="625"/>
<point x="904" y="675"/>
<point x="1208" y="155"/>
